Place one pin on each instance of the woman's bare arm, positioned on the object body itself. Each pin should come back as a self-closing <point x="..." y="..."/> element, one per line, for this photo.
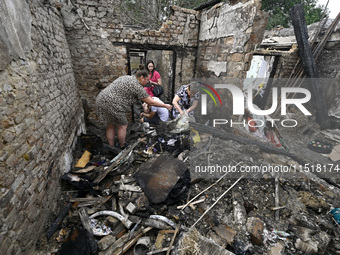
<point x="176" y="105"/>
<point x="153" y="102"/>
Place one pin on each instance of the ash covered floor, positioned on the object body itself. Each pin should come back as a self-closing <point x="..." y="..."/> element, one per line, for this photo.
<point x="294" y="213"/>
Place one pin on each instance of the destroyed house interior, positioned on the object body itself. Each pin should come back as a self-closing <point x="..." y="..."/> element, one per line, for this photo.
<point x="252" y="170"/>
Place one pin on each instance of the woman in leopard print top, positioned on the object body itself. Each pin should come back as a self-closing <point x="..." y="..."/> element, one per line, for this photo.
<point x="114" y="102"/>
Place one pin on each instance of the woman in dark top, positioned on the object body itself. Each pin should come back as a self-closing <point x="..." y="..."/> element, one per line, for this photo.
<point x="184" y="101"/>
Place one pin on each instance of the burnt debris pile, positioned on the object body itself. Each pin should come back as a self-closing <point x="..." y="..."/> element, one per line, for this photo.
<point x="157" y="196"/>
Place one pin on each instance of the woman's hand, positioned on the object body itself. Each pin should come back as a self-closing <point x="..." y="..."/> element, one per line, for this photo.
<point x="153" y="102"/>
<point x="168" y="106"/>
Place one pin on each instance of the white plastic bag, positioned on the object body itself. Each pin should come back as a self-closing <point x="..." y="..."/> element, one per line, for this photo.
<point x="183" y="123"/>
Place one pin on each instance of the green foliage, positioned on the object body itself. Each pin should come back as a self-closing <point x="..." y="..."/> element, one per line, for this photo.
<point x="279" y="11"/>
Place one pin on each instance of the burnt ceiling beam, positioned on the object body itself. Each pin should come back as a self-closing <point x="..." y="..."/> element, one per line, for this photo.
<point x="269" y="86"/>
<point x="245" y="141"/>
<point x="155" y="47"/>
<point x="207" y="5"/>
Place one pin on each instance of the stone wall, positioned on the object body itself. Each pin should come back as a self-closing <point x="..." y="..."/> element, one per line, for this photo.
<point x="67" y="50"/>
<point x="287" y="63"/>
<point x="41" y="114"/>
<point x="100" y="42"/>
<point x="228" y="35"/>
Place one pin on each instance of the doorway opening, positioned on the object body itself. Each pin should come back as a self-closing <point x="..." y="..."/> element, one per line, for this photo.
<point x="164" y="62"/>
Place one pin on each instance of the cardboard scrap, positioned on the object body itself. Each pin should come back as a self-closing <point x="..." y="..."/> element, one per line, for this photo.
<point x="85" y="158"/>
<point x="83" y="170"/>
<point x="335" y="154"/>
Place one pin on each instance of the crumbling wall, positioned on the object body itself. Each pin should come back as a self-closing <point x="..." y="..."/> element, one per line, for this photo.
<point x="327" y="62"/>
<point x="99" y="43"/>
<point x="282" y="43"/>
<point x="287" y="63"/>
<point x="96" y="61"/>
<point x="228" y="35"/>
<point x="40" y="115"/>
<point x="14" y="45"/>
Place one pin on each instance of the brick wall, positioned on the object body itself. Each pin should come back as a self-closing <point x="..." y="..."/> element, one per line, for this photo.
<point x="228" y="35"/>
<point x="287" y="64"/>
<point x="40" y="116"/>
<point x="99" y="44"/>
<point x="77" y="50"/>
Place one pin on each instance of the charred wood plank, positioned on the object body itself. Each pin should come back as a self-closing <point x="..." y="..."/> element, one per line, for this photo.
<point x="106" y="242"/>
<point x="111" y="148"/>
<point x="242" y="140"/>
<point x="306" y="55"/>
<point x="207" y="5"/>
<point x="85" y="219"/>
<point x="301" y="34"/>
<point x="57" y="223"/>
<point x="317" y="51"/>
<point x="86" y="199"/>
<point x="131" y="242"/>
<point x="118" y="160"/>
<point x="172" y="240"/>
<point x="124" y="243"/>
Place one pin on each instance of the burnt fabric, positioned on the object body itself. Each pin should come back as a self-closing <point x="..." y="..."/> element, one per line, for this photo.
<point x="80" y="242"/>
<point x="166" y="177"/>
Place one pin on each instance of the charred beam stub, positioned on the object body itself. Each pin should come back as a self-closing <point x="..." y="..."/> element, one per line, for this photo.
<point x="242" y="140"/>
<point x="306" y="55"/>
<point x="207" y="5"/>
<point x="58" y="221"/>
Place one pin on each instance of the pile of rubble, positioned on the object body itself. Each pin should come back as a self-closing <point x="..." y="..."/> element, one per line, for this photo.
<point x="149" y="199"/>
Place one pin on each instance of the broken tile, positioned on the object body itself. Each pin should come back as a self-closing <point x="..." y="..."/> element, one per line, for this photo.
<point x="105" y="242"/>
<point x="278" y="249"/>
<point x="255" y="227"/>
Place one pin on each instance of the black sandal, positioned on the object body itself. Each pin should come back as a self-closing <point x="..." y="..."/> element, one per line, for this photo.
<point x="124" y="147"/>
